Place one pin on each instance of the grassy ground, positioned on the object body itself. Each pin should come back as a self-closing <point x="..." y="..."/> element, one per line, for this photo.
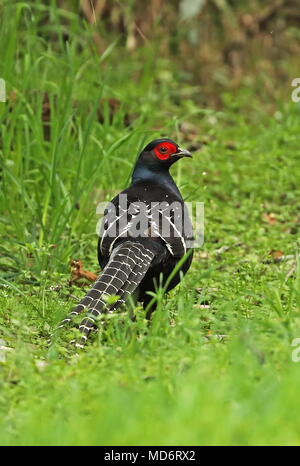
<point x="216" y="365"/>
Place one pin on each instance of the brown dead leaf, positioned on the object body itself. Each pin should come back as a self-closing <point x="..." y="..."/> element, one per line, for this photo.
<point x="269" y="218"/>
<point x="275" y="253"/>
<point x="78" y="273"/>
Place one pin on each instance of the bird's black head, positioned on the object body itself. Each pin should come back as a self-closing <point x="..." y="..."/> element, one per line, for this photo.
<point x="162" y="153"/>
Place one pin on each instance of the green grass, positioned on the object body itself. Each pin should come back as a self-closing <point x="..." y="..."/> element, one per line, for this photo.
<point x="215" y="366"/>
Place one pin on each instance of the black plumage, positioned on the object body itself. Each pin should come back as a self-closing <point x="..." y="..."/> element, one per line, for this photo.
<point x="145" y="232"/>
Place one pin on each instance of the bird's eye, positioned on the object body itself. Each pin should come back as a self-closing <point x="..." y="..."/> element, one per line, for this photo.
<point x="164" y="150"/>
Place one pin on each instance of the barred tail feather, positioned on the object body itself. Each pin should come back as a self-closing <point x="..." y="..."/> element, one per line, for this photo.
<point x="121" y="276"/>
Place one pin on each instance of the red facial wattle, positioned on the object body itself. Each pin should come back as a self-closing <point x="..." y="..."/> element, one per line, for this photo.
<point x="164" y="150"/>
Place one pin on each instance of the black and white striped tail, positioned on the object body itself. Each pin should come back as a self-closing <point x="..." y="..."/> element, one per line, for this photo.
<point x="121" y="276"/>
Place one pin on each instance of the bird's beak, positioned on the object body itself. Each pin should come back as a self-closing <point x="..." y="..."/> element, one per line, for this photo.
<point x="183" y="153"/>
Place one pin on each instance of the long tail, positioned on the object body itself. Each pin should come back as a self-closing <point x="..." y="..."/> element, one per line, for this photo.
<point x="121" y="276"/>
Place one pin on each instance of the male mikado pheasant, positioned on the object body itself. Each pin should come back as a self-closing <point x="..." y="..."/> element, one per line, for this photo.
<point x="146" y="231"/>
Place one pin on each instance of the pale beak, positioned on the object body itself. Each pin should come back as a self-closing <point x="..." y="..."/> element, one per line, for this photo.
<point x="183" y="153"/>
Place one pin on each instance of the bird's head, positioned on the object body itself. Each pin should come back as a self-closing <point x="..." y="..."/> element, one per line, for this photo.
<point x="162" y="153"/>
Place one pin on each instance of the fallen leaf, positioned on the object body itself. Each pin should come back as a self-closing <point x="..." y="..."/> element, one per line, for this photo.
<point x="269" y="218"/>
<point x="78" y="273"/>
<point x="275" y="253"/>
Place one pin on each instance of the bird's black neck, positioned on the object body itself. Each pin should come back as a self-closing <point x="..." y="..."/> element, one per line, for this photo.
<point x="144" y="173"/>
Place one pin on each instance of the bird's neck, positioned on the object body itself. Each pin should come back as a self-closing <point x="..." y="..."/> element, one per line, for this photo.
<point x="143" y="173"/>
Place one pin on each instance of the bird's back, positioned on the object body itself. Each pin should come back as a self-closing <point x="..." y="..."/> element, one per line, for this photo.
<point x="148" y="212"/>
<point x="155" y="216"/>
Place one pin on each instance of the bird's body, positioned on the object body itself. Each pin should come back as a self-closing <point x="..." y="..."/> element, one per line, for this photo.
<point x="145" y="233"/>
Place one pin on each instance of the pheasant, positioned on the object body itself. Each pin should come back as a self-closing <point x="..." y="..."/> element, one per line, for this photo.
<point x="145" y="239"/>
